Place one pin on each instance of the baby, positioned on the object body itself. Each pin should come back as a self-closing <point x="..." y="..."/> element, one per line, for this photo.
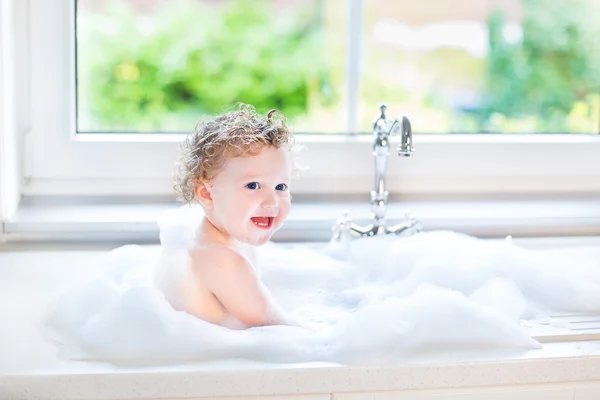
<point x="238" y="167"/>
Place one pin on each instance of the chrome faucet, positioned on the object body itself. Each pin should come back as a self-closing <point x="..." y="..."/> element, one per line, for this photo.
<point x="383" y="128"/>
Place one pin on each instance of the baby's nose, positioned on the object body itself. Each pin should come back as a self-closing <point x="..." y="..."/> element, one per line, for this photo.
<point x="269" y="202"/>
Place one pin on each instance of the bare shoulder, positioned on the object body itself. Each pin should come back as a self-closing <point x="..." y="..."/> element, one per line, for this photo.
<point x="218" y="259"/>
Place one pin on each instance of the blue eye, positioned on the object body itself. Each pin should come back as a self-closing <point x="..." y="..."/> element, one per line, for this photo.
<point x="281" y="186"/>
<point x="252" y="185"/>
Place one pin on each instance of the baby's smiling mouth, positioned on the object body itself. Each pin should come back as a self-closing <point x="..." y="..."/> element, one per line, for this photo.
<point x="263" y="222"/>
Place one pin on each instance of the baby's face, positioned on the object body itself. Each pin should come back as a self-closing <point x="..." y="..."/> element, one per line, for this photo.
<point x="251" y="196"/>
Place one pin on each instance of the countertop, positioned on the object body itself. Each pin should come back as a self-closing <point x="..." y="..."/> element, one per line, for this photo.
<point x="31" y="369"/>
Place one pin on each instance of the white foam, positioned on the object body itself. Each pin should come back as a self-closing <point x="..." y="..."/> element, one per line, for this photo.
<point x="367" y="301"/>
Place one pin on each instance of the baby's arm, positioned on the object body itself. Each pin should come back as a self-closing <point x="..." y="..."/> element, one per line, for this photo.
<point x="237" y="287"/>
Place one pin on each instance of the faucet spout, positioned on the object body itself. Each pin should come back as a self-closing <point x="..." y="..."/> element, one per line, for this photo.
<point x="406" y="148"/>
<point x="383" y="127"/>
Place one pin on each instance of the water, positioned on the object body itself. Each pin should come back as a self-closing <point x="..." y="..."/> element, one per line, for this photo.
<point x="370" y="301"/>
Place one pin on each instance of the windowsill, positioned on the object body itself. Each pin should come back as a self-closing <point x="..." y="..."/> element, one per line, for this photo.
<point x="134" y="221"/>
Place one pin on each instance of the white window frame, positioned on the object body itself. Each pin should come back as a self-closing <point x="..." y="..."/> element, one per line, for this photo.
<point x="60" y="162"/>
<point x="13" y="103"/>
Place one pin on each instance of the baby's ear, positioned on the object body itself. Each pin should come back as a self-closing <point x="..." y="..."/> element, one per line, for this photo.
<point x="202" y="192"/>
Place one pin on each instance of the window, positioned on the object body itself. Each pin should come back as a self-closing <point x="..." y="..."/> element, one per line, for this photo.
<point x="497" y="66"/>
<point x="524" y="66"/>
<point x="90" y="137"/>
<point x="187" y="58"/>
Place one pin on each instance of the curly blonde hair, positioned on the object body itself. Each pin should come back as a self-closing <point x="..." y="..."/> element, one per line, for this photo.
<point x="233" y="134"/>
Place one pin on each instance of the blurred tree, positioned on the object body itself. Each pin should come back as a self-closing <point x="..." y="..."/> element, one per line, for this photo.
<point x="555" y="66"/>
<point x="162" y="71"/>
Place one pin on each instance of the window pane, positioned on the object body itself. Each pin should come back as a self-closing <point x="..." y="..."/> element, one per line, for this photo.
<point x="484" y="65"/>
<point x="158" y="65"/>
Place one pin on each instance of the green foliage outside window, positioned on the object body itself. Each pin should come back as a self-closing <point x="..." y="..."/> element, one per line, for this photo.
<point x="192" y="59"/>
<point x="161" y="71"/>
<point x="552" y="74"/>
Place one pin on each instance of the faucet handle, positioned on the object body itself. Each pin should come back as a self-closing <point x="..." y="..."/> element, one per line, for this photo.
<point x="382" y="108"/>
<point x="341" y="224"/>
<point x="408" y="215"/>
<point x="412" y="221"/>
<point x="381" y="123"/>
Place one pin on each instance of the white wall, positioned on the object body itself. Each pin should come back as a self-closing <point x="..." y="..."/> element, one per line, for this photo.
<point x="14" y="100"/>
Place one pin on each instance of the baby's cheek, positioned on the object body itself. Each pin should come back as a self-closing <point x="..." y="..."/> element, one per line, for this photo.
<point x="284" y="210"/>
